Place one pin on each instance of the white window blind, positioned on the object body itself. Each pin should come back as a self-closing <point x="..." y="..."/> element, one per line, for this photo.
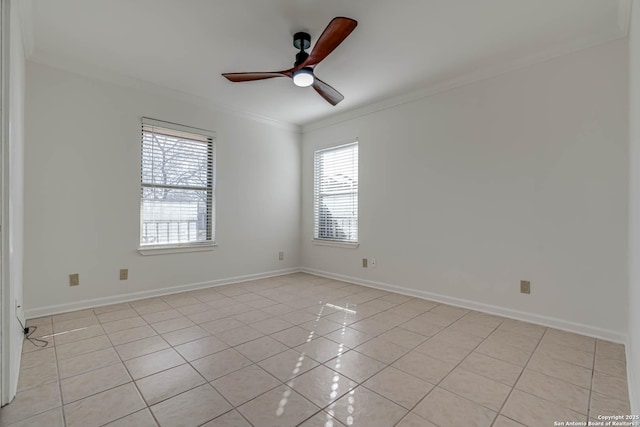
<point x="336" y="193"/>
<point x="177" y="185"/>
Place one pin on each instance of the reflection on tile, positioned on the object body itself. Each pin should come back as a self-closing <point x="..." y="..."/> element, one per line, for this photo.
<point x="321" y="385"/>
<point x="280" y="407"/>
<point x="194" y="407"/>
<point x="288" y="364"/>
<point x="322" y="419"/>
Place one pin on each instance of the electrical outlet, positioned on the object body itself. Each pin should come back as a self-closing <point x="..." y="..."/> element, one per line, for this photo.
<point x="525" y="287"/>
<point x="74" y="279"/>
<point x="281" y="256"/>
<point x="373" y="263"/>
<point x="365" y="263"/>
<point x="124" y="274"/>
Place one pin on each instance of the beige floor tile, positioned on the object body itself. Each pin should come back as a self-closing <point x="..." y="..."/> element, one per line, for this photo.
<point x="180" y="300"/>
<point x="606" y="405"/>
<point x="37" y="375"/>
<point x="185" y="335"/>
<point x="230" y="419"/>
<point x="361" y="407"/>
<point x="163" y="385"/>
<point x="160" y="316"/>
<point x="221" y="325"/>
<point x="71" y="325"/>
<point x="444" y="351"/>
<point x="492" y="368"/>
<point x="349" y="337"/>
<point x="52" y="418"/>
<point x="252" y="316"/>
<point x="194" y="308"/>
<point x="156" y="307"/>
<point x="446" y="409"/>
<point x="63" y="317"/>
<point x="566" y="371"/>
<point x="568" y="339"/>
<point x="297" y="317"/>
<point x="261" y="348"/>
<point x="484" y="391"/>
<point x="457" y="338"/>
<point x="522" y="328"/>
<point x="78" y="335"/>
<point x="321" y="349"/>
<point x="321" y="327"/>
<point x="142" y="347"/>
<point x="31" y="402"/>
<point x="35" y="358"/>
<point x="611" y="386"/>
<point x="403" y="337"/>
<point x="523" y="342"/>
<point x="88" y="345"/>
<point x="322" y="385"/>
<point x="87" y="362"/>
<point x="356" y="366"/>
<point x="613" y="367"/>
<point x="382" y="350"/>
<point x="121" y="325"/>
<point x="112" y="307"/>
<point x="241" y="335"/>
<point x="220" y="364"/>
<point x="506" y="353"/>
<point x="92" y="382"/>
<point x="610" y="350"/>
<point x="293" y="337"/>
<point x="172" y="325"/>
<point x="155" y="362"/>
<point x="322" y="419"/>
<point x="472" y="328"/>
<point x="371" y="326"/>
<point x="554" y="390"/>
<point x="137" y="419"/>
<point x="129" y="335"/>
<point x="566" y="354"/>
<point x="422" y="327"/>
<point x="399" y="387"/>
<point x="530" y="410"/>
<point x="424" y="367"/>
<point x="195" y="407"/>
<point x="104" y="407"/>
<point x="200" y="348"/>
<point x="503" y="421"/>
<point x="243" y="385"/>
<point x="412" y="420"/>
<point x="117" y="315"/>
<point x="270" y="326"/>
<point x="288" y="364"/>
<point x="280" y="407"/>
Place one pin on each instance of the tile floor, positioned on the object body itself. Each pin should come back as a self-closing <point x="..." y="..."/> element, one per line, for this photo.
<point x="301" y="350"/>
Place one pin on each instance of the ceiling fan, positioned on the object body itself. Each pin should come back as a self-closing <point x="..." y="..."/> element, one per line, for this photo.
<point x="302" y="72"/>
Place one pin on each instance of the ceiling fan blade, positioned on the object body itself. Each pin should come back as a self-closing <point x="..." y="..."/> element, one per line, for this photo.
<point x="247" y="77"/>
<point x="338" y="29"/>
<point x="331" y="95"/>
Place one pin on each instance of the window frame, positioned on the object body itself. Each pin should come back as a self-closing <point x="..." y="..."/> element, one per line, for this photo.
<point x="210" y="188"/>
<point x="325" y="241"/>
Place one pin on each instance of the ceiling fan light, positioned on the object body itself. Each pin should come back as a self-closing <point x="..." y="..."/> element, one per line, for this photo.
<point x="303" y="77"/>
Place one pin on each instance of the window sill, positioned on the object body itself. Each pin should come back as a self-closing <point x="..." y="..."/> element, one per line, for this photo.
<point x="177" y="249"/>
<point x="336" y="244"/>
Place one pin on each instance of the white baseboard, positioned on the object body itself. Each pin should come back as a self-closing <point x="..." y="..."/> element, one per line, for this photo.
<point x="115" y="299"/>
<point x="552" y="322"/>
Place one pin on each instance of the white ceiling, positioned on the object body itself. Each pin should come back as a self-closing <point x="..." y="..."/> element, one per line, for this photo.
<point x="399" y="47"/>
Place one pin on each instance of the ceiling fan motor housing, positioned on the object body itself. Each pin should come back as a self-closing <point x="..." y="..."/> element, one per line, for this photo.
<point x="301" y="41"/>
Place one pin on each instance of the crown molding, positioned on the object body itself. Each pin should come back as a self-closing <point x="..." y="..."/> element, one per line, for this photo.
<point x="25" y="14"/>
<point x="103" y="75"/>
<point x="465" y="79"/>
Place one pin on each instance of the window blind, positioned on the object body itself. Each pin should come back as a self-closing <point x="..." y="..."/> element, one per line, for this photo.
<point x="336" y="193"/>
<point x="177" y="201"/>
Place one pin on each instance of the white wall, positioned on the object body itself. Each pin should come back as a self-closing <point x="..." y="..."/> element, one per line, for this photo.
<point x="633" y="345"/>
<point x="13" y="175"/>
<point x="466" y="192"/>
<point x="83" y="184"/>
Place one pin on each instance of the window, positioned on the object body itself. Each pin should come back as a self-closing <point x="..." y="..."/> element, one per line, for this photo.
<point x="336" y="193"/>
<point x="177" y="185"/>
